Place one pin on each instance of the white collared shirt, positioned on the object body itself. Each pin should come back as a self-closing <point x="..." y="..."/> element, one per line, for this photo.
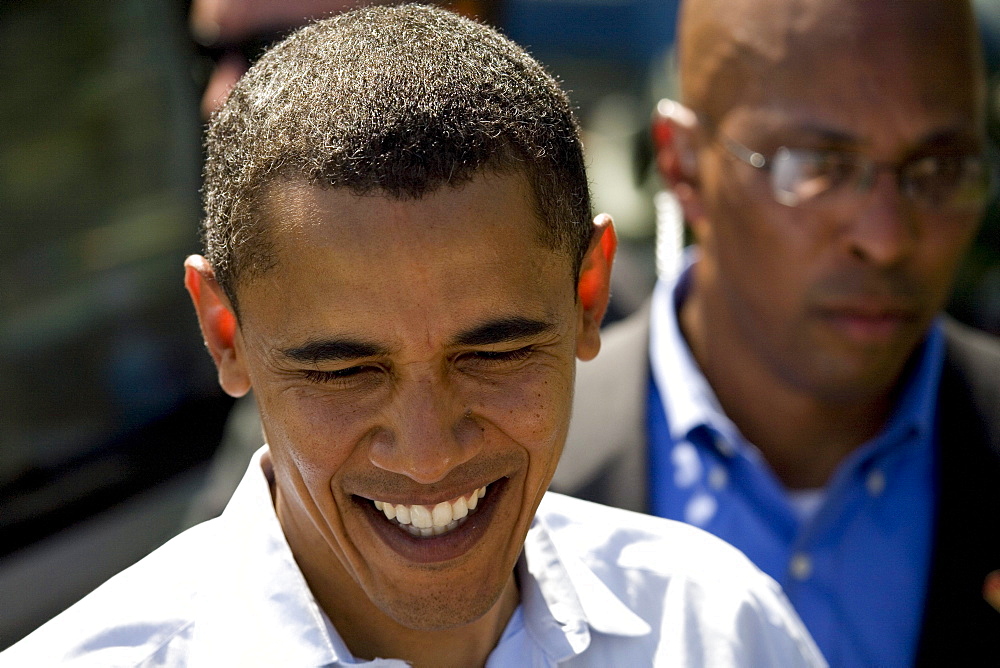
<point x="599" y="587"/>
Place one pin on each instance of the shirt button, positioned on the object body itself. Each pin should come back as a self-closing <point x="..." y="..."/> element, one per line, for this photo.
<point x="801" y="566"/>
<point x="718" y="478"/>
<point x="723" y="446"/>
<point x="700" y="509"/>
<point x="875" y="482"/>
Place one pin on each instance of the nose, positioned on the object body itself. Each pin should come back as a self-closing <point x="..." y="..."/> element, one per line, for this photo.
<point x="883" y="231"/>
<point x="427" y="432"/>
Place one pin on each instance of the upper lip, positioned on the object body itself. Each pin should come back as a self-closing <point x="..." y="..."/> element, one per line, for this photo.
<point x="450" y="499"/>
<point x="423" y="498"/>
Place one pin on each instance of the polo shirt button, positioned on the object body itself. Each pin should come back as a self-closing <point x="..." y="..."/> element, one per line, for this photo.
<point x="723" y="446"/>
<point x="801" y="566"/>
<point x="875" y="482"/>
<point x="718" y="478"/>
<point x="700" y="509"/>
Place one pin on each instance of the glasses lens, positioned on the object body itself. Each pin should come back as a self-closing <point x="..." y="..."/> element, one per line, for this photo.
<point x="800" y="176"/>
<point x="949" y="182"/>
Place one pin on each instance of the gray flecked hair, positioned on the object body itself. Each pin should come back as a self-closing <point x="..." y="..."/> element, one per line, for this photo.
<point x="394" y="100"/>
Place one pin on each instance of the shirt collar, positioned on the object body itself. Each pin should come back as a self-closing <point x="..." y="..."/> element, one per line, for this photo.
<point x="913" y="419"/>
<point x="916" y="406"/>
<point x="259" y="610"/>
<point x="564" y="600"/>
<point x="688" y="399"/>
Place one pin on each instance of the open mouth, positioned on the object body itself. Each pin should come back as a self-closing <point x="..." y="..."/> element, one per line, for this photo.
<point x="436" y="533"/>
<point x="425" y="521"/>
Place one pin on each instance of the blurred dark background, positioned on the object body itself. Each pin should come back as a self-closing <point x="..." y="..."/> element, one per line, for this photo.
<point x="109" y="410"/>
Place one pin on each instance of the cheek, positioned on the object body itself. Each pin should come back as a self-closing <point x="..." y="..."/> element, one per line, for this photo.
<point x="943" y="251"/>
<point x="532" y="410"/>
<point x="312" y="432"/>
<point x="760" y="256"/>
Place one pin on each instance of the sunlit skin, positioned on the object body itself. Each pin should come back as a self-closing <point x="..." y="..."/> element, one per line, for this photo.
<point x="410" y="352"/>
<point x="803" y="320"/>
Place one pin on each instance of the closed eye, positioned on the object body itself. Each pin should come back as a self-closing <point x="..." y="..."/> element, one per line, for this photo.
<point x="502" y="356"/>
<point x="338" y="375"/>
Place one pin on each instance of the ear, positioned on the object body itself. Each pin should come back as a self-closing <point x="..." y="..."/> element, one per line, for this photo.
<point x="593" y="287"/>
<point x="675" y="131"/>
<point x="219" y="326"/>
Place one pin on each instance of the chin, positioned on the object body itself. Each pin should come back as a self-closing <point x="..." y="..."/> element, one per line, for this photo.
<point x="450" y="608"/>
<point x="853" y="383"/>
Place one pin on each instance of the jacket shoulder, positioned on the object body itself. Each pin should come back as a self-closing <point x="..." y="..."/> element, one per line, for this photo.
<point x="972" y="374"/>
<point x="605" y="455"/>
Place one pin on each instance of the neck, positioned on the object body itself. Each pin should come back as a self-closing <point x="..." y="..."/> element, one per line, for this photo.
<point x="802" y="433"/>
<point x="370" y="633"/>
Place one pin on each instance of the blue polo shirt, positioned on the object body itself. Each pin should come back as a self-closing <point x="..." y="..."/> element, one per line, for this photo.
<point x="853" y="557"/>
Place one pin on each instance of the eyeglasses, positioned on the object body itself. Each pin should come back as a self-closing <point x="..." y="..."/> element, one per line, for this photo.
<point x="946" y="183"/>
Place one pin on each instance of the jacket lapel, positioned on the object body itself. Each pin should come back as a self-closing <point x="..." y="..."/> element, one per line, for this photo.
<point x="958" y="620"/>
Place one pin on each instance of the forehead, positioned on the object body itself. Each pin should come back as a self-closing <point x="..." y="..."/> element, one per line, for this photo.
<point x="346" y="258"/>
<point x="851" y="62"/>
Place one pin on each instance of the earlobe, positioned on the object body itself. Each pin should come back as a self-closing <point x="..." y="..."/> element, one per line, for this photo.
<point x="593" y="287"/>
<point x="218" y="323"/>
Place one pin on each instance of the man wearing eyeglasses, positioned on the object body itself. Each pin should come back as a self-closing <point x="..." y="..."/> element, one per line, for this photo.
<point x="796" y="389"/>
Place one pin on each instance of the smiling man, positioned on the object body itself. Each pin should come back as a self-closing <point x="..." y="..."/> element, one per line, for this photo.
<point x="400" y="262"/>
<point x="797" y="390"/>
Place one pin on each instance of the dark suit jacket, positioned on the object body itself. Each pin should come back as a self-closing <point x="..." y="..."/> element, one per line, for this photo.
<point x="606" y="455"/>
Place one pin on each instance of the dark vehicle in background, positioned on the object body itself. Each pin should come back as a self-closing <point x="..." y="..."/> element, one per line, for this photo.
<point x="108" y="402"/>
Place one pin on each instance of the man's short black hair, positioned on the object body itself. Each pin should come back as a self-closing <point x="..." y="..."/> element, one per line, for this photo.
<point x="391" y="100"/>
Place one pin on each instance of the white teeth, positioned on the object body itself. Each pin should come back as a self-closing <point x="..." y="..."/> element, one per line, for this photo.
<point x="420" y="517"/>
<point x="441" y="514"/>
<point x="459" y="509"/>
<point x="403" y="514"/>
<point x="423" y="521"/>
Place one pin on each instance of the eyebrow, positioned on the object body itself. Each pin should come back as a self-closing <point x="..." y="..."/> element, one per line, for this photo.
<point x="936" y="137"/>
<point x="950" y="135"/>
<point x="503" y="330"/>
<point x="816" y="132"/>
<point x="334" y="350"/>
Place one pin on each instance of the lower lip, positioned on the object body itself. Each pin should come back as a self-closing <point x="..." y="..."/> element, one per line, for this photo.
<point x="435" y="549"/>
<point x="868" y="329"/>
